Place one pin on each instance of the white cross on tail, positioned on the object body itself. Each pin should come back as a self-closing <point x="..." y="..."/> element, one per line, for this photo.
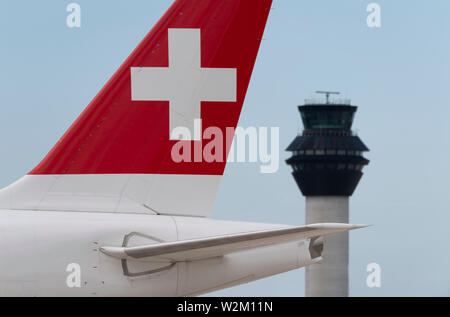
<point x="185" y="84"/>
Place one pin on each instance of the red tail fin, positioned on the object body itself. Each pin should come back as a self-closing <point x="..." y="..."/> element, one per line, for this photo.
<point x="196" y="63"/>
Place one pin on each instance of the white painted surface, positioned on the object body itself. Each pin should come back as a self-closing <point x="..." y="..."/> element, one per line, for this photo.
<point x="185" y="84"/>
<point x="37" y="246"/>
<point x="192" y="195"/>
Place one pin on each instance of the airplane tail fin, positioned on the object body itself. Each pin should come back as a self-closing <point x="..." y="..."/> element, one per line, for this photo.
<point x="139" y="145"/>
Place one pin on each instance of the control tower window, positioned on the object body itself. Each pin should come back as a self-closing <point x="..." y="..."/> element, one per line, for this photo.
<point x="331" y="152"/>
<point x="328" y="118"/>
<point x="341" y="152"/>
<point x="320" y="152"/>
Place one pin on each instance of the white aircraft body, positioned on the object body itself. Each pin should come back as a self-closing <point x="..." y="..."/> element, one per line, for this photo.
<point x="109" y="212"/>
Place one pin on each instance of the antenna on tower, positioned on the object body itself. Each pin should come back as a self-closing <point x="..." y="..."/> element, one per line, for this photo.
<point x="327" y="94"/>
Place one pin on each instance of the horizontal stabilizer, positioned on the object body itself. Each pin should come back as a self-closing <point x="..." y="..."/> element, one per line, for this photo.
<point x="196" y="249"/>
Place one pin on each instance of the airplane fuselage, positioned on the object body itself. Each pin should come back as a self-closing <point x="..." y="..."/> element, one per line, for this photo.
<point x="50" y="253"/>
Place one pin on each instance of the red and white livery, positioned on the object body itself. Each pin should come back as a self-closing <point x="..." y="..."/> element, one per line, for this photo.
<point x="108" y="212"/>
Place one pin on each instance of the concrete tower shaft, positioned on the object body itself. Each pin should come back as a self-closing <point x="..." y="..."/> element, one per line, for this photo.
<point x="329" y="278"/>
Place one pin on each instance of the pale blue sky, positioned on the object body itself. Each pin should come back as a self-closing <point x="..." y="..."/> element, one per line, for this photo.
<point x="397" y="75"/>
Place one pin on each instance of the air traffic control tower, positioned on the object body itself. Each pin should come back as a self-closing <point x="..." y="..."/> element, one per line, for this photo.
<point x="327" y="164"/>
